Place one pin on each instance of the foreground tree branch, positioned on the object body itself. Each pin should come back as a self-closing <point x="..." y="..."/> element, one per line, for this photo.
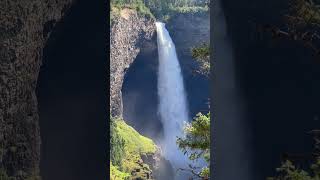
<point x="301" y="24"/>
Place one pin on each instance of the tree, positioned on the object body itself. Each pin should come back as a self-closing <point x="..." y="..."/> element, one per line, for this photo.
<point x="196" y="143"/>
<point x="116" y="144"/>
<point x="202" y="55"/>
<point x="301" y="24"/>
<point x="289" y="171"/>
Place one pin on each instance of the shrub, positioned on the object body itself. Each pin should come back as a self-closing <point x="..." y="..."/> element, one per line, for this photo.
<point x="116" y="144"/>
<point x="138" y="5"/>
<point x="116" y="174"/>
<point x="196" y="143"/>
<point x="288" y="171"/>
<point x="202" y="55"/>
<point x="160" y="9"/>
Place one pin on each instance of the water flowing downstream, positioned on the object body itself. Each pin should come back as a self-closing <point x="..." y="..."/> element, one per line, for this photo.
<point x="172" y="98"/>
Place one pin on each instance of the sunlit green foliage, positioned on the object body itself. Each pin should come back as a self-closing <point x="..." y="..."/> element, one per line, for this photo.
<point x="138" y="5"/>
<point x="190" y="9"/>
<point x="115" y="12"/>
<point x="205" y="172"/>
<point x="117" y="144"/>
<point x="160" y="9"/>
<point x="134" y="142"/>
<point x="196" y="142"/>
<point x="202" y="55"/>
<point x="116" y="174"/>
<point x="164" y="9"/>
<point x="127" y="146"/>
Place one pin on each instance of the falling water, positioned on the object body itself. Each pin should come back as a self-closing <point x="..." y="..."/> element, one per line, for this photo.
<point x="172" y="99"/>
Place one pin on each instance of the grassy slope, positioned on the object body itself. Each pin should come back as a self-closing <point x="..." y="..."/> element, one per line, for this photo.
<point x="116" y="174"/>
<point x="134" y="146"/>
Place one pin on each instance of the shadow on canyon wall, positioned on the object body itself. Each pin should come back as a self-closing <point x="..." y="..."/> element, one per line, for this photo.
<point x="140" y="97"/>
<point x="72" y="96"/>
<point x="279" y="82"/>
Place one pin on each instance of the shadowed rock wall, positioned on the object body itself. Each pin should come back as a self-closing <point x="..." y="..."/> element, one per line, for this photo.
<point x="127" y="34"/>
<point x="24" y="29"/>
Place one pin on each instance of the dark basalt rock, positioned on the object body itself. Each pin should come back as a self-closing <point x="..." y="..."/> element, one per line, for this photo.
<point x="21" y="43"/>
<point x="127" y="33"/>
<point x="161" y="168"/>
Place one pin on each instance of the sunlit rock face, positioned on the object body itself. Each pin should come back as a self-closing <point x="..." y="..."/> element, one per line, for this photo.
<point x="24" y="29"/>
<point x="127" y="34"/>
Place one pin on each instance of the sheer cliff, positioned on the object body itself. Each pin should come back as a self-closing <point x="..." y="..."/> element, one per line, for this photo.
<point x="24" y="29"/>
<point x="128" y="31"/>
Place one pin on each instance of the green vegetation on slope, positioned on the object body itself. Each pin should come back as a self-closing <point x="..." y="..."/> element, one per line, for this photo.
<point x="159" y="9"/>
<point x="116" y="174"/>
<point x="138" y="5"/>
<point x="117" y="151"/>
<point x="127" y="146"/>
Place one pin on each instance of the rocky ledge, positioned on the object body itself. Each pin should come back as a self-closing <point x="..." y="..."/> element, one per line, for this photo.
<point x="161" y="168"/>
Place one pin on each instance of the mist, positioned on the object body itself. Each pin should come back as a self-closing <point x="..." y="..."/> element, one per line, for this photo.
<point x="172" y="98"/>
<point x="231" y="149"/>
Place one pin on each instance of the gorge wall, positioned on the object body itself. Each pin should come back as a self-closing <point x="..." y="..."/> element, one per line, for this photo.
<point x="131" y="34"/>
<point x="139" y="90"/>
<point x="277" y="80"/>
<point x="128" y="32"/>
<point x="190" y="30"/>
<point x="24" y="29"/>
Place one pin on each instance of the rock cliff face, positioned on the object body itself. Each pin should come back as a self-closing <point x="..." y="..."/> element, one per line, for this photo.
<point x="128" y="32"/>
<point x="161" y="168"/>
<point x="189" y="30"/>
<point x="24" y="29"/>
<point x="153" y="166"/>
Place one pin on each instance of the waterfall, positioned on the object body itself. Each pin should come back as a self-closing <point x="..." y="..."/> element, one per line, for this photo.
<point x="172" y="98"/>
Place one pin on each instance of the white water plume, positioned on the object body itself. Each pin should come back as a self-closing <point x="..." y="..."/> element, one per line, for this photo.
<point x="172" y="98"/>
